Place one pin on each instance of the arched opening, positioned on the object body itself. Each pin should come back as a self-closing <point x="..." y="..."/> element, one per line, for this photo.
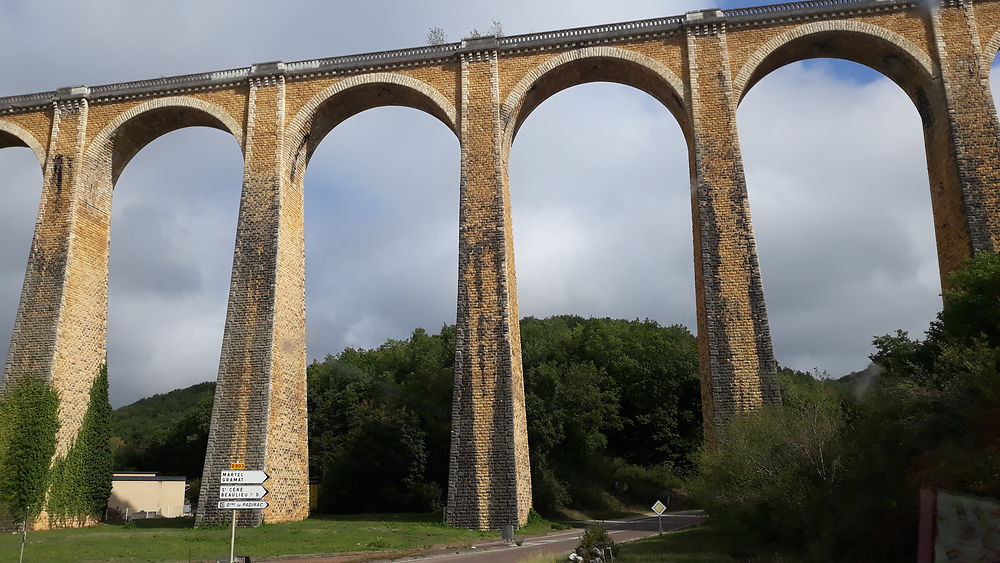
<point x="381" y="230"/>
<point x="838" y="181"/>
<point x="172" y="227"/>
<point x="599" y="182"/>
<point x="22" y="175"/>
<point x="601" y="205"/>
<point x="351" y="96"/>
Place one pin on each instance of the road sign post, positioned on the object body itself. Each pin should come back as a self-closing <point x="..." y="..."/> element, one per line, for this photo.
<point x="240" y="489"/>
<point x="24" y="533"/>
<point x="232" y="540"/>
<point x="658" y="508"/>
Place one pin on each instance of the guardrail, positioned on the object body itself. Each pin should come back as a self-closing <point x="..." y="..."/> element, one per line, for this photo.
<point x="582" y="32"/>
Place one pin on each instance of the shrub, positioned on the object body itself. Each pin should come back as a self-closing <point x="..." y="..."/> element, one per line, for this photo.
<point x="595" y="544"/>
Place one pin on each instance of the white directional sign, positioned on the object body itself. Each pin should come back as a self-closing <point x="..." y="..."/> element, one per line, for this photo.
<point x="659" y="507"/>
<point x="235" y="504"/>
<point x="234" y="492"/>
<point x="243" y="477"/>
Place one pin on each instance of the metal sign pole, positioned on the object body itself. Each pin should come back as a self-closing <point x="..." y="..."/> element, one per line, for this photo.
<point x="232" y="540"/>
<point x="659" y="518"/>
<point x="24" y="533"/>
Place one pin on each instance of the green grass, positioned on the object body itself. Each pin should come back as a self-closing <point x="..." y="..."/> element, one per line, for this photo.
<point x="706" y="543"/>
<point x="176" y="540"/>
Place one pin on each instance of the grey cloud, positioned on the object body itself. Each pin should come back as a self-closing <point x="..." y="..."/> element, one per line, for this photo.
<point x="841" y="208"/>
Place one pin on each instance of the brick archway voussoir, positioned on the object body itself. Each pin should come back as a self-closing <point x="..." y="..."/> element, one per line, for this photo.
<point x="102" y="140"/>
<point x="510" y="107"/>
<point x="990" y="51"/>
<point x="764" y="51"/>
<point x="27" y="138"/>
<point x="299" y="126"/>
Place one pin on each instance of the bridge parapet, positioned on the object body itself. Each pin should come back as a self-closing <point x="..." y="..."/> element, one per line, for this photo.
<point x="766" y="14"/>
<point x="436" y="54"/>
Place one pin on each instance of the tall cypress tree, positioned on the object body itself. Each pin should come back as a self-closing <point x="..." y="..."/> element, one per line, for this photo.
<point x="81" y="482"/>
<point x="95" y="438"/>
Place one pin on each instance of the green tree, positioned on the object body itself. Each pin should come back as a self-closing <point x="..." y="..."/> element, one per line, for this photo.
<point x="379" y="465"/>
<point x="822" y="473"/>
<point x="28" y="425"/>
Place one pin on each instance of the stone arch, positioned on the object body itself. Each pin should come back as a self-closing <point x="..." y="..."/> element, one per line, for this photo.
<point x="12" y="135"/>
<point x="990" y="51"/>
<point x="909" y="66"/>
<point x="140" y="125"/>
<point x="362" y="92"/>
<point x="885" y="51"/>
<point x="627" y="67"/>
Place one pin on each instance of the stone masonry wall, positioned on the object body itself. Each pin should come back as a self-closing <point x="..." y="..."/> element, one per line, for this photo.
<point x="739" y="372"/>
<point x="259" y="415"/>
<point x="489" y="476"/>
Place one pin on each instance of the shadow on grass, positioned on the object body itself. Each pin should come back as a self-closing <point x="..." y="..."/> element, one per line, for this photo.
<point x="429" y="517"/>
<point x="704" y="543"/>
<point x="163" y="523"/>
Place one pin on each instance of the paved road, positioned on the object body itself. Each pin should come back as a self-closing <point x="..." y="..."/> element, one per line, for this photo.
<point x="561" y="542"/>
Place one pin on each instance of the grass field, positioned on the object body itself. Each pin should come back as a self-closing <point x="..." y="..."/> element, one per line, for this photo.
<point x="177" y="540"/>
<point x="707" y="543"/>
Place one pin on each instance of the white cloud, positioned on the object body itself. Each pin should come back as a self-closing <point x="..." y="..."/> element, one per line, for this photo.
<point x="841" y="207"/>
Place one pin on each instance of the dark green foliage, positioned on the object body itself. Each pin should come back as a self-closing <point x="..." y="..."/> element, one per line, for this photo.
<point x="972" y="304"/>
<point x="81" y="481"/>
<point x="379" y="424"/>
<point x="95" y="440"/>
<point x="179" y="449"/>
<point x="835" y="476"/>
<point x="167" y="433"/>
<point x="594" y="442"/>
<point x="28" y="425"/>
<point x="780" y="471"/>
<point x="379" y="465"/>
<point x="613" y="406"/>
<point x="652" y="370"/>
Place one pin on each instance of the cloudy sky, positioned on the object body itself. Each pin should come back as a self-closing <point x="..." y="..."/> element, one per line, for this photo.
<point x="599" y="184"/>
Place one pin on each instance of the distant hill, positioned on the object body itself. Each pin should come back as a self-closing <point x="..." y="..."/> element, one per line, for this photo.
<point x="861" y="381"/>
<point x="160" y="433"/>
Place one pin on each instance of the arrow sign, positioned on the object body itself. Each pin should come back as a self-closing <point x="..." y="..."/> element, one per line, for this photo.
<point x="243" y="477"/>
<point x="235" y="492"/>
<point x="235" y="504"/>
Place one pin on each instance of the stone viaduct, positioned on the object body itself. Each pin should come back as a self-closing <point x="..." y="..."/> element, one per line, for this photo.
<point x="699" y="65"/>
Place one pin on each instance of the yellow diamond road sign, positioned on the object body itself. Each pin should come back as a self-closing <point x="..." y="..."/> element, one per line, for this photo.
<point x="659" y="507"/>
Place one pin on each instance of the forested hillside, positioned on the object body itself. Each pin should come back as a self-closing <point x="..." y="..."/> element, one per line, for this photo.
<point x="613" y="412"/>
<point x="166" y="433"/>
